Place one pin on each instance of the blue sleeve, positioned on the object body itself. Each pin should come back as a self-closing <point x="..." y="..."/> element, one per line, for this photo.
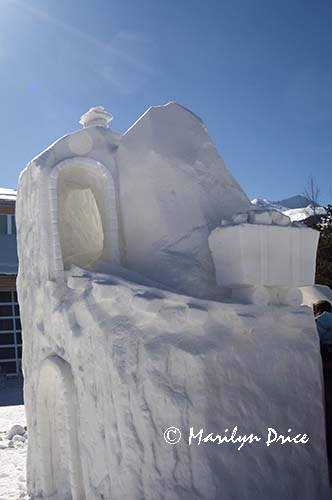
<point x="324" y="326"/>
<point x="325" y="320"/>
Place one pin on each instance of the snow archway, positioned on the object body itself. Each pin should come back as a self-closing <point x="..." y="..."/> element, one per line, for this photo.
<point x="80" y="225"/>
<point x="84" y="211"/>
<point x="58" y="447"/>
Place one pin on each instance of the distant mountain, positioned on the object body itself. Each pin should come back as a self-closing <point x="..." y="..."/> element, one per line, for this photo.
<point x="297" y="201"/>
<point x="264" y="203"/>
<point x="297" y="207"/>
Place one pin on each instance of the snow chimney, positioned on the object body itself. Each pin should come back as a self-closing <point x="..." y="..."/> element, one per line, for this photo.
<point x="96" y="116"/>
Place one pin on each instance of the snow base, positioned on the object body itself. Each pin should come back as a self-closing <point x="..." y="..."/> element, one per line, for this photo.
<point x="126" y="362"/>
<point x="13" y="449"/>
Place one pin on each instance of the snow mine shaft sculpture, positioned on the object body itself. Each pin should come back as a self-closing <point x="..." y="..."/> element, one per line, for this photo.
<point x="153" y="295"/>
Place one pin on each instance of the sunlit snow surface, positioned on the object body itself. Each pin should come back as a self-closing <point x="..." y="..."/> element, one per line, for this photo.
<point x="299" y="214"/>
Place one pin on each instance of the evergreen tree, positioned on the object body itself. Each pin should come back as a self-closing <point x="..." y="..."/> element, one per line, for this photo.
<point x="324" y="251"/>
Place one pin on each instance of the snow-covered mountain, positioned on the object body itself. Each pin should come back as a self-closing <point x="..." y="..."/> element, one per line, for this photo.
<point x="297" y="207"/>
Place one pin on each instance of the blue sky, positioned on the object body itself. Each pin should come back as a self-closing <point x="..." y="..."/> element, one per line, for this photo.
<point x="258" y="72"/>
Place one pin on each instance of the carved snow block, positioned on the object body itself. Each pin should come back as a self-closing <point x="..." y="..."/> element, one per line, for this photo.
<point x="267" y="255"/>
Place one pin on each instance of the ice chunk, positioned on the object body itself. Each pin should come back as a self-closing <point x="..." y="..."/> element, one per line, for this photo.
<point x="260" y="217"/>
<point x="19" y="438"/>
<point x="279" y="218"/>
<point x="240" y="218"/>
<point x="77" y="282"/>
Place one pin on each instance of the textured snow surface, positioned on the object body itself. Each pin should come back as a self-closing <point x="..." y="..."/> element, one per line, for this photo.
<point x="143" y="360"/>
<point x="12" y="455"/>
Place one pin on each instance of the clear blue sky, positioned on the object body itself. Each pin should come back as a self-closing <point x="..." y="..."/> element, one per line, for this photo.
<point x="259" y="73"/>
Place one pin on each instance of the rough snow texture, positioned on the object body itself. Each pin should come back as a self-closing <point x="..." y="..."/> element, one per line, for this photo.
<point x="112" y="359"/>
<point x="144" y="360"/>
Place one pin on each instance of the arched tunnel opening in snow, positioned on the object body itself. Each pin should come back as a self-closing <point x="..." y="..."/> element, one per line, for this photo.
<point x="85" y="223"/>
<point x="81" y="229"/>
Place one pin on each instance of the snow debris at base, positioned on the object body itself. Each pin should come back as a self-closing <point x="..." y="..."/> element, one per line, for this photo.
<point x="13" y="453"/>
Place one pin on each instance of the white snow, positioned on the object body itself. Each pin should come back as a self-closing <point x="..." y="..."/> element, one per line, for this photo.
<point x="312" y="294"/>
<point x="96" y="116"/>
<point x="174" y="189"/>
<point x="115" y="353"/>
<point x="144" y="360"/>
<point x="7" y="194"/>
<point x="299" y="214"/>
<point x="260" y="217"/>
<point x="12" y="454"/>
<point x="280" y="219"/>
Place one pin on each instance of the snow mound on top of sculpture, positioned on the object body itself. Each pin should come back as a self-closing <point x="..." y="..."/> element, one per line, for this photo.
<point x="168" y="189"/>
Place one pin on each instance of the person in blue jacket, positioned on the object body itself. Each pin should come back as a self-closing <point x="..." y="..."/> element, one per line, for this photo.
<point x="323" y="318"/>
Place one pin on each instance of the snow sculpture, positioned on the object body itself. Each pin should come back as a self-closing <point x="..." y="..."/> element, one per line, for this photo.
<point x="113" y="230"/>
